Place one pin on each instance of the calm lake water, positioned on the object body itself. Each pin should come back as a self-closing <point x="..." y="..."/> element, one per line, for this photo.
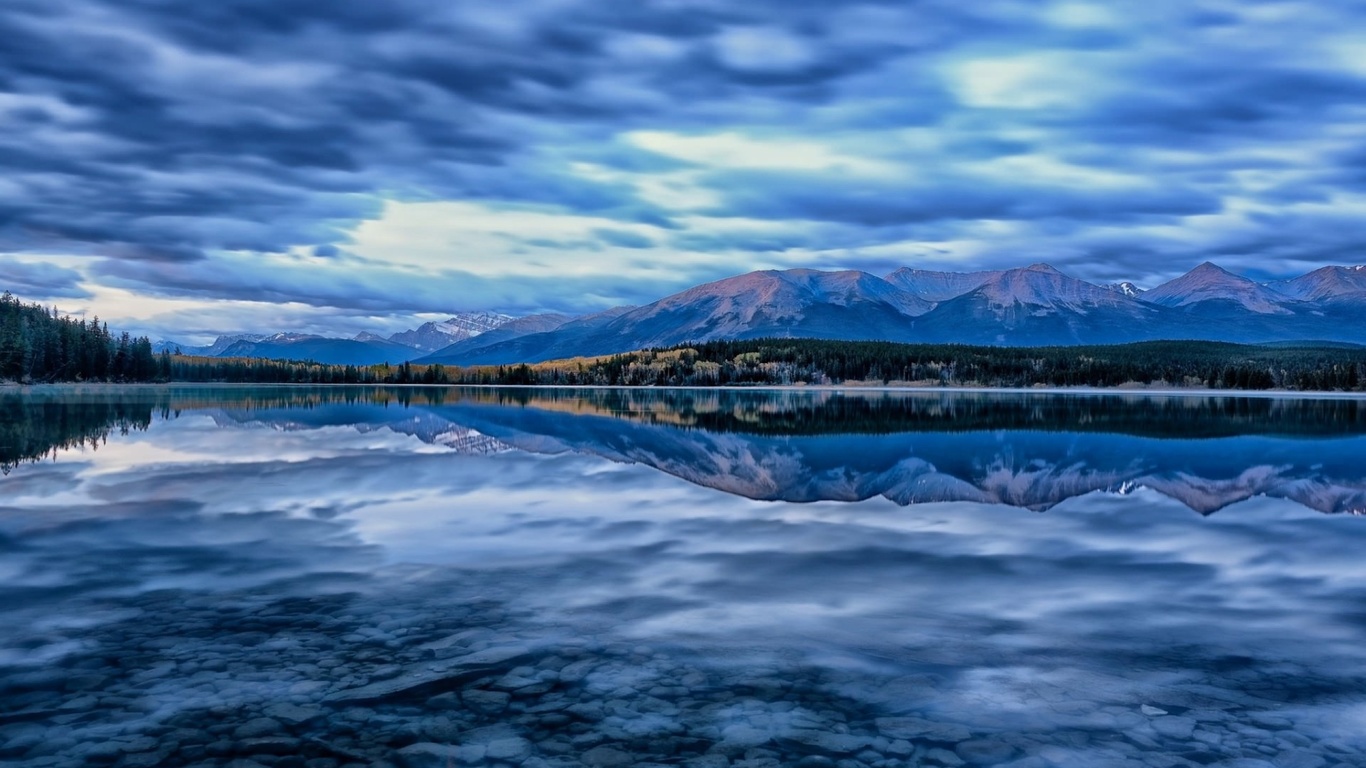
<point x="429" y="577"/>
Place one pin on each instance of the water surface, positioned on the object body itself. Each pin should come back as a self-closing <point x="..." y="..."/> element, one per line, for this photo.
<point x="337" y="576"/>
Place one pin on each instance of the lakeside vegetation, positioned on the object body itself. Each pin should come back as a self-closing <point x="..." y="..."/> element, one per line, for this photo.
<point x="1188" y="364"/>
<point x="1184" y="364"/>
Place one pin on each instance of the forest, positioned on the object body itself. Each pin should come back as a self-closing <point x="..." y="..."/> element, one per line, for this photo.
<point x="37" y="346"/>
<point x="1188" y="364"/>
<point x="768" y="362"/>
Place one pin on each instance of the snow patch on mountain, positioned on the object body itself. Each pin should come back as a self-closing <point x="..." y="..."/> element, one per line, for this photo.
<point x="1126" y="288"/>
<point x="432" y="336"/>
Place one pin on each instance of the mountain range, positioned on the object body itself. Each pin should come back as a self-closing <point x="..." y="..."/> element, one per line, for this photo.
<point x="1035" y="305"/>
<point x="363" y="349"/>
<point x="1030" y="306"/>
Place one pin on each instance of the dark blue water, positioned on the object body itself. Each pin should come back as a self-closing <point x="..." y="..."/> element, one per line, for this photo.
<point x="429" y="577"/>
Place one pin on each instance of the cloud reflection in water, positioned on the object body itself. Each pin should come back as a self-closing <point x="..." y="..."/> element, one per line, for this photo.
<point x="1029" y="628"/>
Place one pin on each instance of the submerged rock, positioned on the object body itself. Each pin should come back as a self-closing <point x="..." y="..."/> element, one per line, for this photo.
<point x="448" y="674"/>
<point x="919" y="729"/>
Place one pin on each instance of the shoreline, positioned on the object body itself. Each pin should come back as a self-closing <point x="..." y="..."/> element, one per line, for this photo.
<point x="832" y="388"/>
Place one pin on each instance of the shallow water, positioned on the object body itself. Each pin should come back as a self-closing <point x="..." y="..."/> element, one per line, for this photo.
<point x="430" y="577"/>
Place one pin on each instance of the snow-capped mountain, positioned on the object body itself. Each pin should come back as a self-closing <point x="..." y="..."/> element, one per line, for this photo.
<point x="432" y="336"/>
<point x="1127" y="288"/>
<point x="365" y="348"/>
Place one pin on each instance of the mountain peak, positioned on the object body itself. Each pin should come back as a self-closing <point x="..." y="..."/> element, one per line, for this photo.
<point x="1210" y="268"/>
<point x="938" y="286"/>
<point x="1325" y="283"/>
<point x="1127" y="288"/>
<point x="1041" y="285"/>
<point x="432" y="336"/>
<point x="1211" y="282"/>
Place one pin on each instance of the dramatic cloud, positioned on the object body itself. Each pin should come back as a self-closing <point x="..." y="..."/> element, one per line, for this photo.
<point x="41" y="280"/>
<point x="376" y="162"/>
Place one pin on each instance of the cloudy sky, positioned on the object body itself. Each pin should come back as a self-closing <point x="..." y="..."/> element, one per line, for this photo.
<point x="186" y="168"/>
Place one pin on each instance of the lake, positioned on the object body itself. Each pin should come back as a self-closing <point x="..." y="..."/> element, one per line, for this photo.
<point x="322" y="577"/>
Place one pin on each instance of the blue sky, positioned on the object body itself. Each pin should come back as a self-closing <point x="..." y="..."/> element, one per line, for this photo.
<point x="190" y="168"/>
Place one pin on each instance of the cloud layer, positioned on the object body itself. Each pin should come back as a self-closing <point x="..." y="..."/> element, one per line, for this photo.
<point x="375" y="162"/>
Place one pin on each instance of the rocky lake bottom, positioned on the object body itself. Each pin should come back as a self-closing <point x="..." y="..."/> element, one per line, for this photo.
<point x="323" y="584"/>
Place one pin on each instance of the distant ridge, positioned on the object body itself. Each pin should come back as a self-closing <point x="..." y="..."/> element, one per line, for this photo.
<point x="1028" y="306"/>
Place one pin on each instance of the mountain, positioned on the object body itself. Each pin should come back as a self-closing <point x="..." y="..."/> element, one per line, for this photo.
<point x="1127" y="288"/>
<point x="938" y="286"/>
<point x="1030" y="306"/>
<point x="1209" y="284"/>
<point x="294" y="346"/>
<point x="430" y="337"/>
<point x="798" y="303"/>
<point x="562" y="340"/>
<point x="1228" y="307"/>
<point x="364" y="348"/>
<point x="1038" y="305"/>
<point x="1328" y="283"/>
<point x="803" y="303"/>
<point x="514" y="329"/>
<point x="212" y="350"/>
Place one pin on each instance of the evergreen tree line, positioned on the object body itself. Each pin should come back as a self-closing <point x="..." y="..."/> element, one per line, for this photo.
<point x="1213" y="365"/>
<point x="36" y="345"/>
<point x="260" y="371"/>
<point x="1195" y="364"/>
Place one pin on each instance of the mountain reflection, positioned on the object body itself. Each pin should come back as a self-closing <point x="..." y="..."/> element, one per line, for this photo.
<point x="1025" y="450"/>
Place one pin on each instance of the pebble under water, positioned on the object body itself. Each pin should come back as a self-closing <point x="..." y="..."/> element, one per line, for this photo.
<point x="371" y="577"/>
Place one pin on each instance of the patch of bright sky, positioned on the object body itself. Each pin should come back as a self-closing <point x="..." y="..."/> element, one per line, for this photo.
<point x="762" y="49"/>
<point x="1042" y="168"/>
<point x="1348" y="52"/>
<point x="1080" y="15"/>
<point x="731" y="150"/>
<point x="493" y="241"/>
<point x="673" y="190"/>
<point x="1039" y="80"/>
<point x="199" y="320"/>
